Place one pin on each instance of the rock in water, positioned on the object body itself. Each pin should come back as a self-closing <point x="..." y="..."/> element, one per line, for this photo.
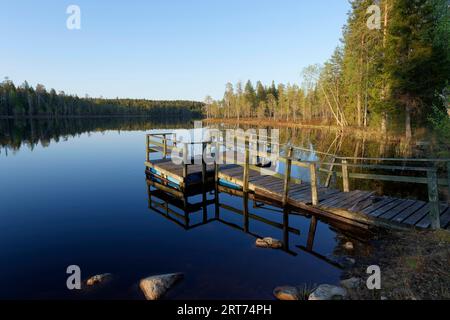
<point x="351" y="283"/>
<point x="99" y="278"/>
<point x="348" y="246"/>
<point x="328" y="292"/>
<point x="269" y="243"/>
<point x="286" y="293"/>
<point x="155" y="287"/>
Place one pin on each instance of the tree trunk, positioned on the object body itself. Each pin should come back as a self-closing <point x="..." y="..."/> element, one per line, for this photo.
<point x="384" y="122"/>
<point x="408" y="130"/>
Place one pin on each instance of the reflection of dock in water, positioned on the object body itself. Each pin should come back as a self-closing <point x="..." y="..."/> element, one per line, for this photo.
<point x="180" y="211"/>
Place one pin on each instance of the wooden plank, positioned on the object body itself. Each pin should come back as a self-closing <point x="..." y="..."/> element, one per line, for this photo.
<point x="363" y="195"/>
<point x="386" y="208"/>
<point x="348" y="196"/>
<point x="426" y="222"/>
<point x="355" y="195"/>
<point x="418" y="215"/>
<point x="300" y="188"/>
<point x="359" y="207"/>
<point x="333" y="198"/>
<point x="339" y="198"/>
<point x="394" y="212"/>
<point x="361" y="202"/>
<point x="378" y="204"/>
<point x="409" y="211"/>
<point x="445" y="218"/>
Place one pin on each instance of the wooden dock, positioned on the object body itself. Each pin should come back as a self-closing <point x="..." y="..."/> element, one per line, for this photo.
<point x="357" y="207"/>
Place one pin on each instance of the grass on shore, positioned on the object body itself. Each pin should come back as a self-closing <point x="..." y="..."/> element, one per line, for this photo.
<point x="414" y="266"/>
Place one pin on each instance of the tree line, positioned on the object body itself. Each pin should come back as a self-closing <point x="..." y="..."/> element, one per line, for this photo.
<point x="393" y="76"/>
<point x="26" y="101"/>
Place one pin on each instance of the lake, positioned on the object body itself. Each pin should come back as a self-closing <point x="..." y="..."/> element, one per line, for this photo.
<point x="73" y="192"/>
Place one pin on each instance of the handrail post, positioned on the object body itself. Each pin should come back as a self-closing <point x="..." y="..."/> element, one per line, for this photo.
<point x="345" y="176"/>
<point x="164" y="146"/>
<point x="287" y="177"/>
<point x="185" y="160"/>
<point x="433" y="197"/>
<point x="314" y="193"/>
<point x="147" y="148"/>
<point x="246" y="165"/>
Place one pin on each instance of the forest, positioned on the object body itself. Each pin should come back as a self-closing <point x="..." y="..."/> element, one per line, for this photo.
<point x="26" y="101"/>
<point x="392" y="77"/>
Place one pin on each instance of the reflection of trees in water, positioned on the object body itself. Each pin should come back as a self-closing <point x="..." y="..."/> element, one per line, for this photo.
<point x="350" y="145"/>
<point x="16" y="133"/>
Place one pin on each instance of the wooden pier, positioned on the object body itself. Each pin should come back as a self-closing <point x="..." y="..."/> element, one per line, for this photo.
<point x="192" y="175"/>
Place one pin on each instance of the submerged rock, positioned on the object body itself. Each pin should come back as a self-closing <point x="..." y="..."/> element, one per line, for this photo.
<point x="269" y="243"/>
<point x="99" y="278"/>
<point x="351" y="283"/>
<point x="155" y="287"/>
<point x="286" y="293"/>
<point x="328" y="292"/>
<point x="348" y="246"/>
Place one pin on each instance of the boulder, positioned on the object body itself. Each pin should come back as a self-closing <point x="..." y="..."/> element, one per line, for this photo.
<point x="99" y="278"/>
<point x="155" y="287"/>
<point x="269" y="243"/>
<point x="351" y="283"/>
<point x="328" y="292"/>
<point x="286" y="293"/>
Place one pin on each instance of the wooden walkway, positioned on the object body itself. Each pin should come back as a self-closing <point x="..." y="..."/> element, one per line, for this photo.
<point x="358" y="208"/>
<point x="361" y="206"/>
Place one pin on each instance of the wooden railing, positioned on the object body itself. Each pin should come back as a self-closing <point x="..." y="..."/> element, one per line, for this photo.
<point x="431" y="172"/>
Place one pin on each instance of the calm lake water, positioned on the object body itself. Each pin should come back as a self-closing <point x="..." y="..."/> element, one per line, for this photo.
<point x="73" y="192"/>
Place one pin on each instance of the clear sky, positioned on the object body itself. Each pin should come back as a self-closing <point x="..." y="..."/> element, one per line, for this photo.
<point x="166" y="49"/>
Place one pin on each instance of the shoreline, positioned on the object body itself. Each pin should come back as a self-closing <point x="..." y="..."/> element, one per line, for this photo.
<point x="355" y="131"/>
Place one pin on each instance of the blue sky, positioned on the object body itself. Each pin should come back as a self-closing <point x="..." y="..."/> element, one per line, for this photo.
<point x="171" y="49"/>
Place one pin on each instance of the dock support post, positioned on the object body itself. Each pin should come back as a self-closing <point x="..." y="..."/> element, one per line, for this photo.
<point x="246" y="166"/>
<point x="204" y="180"/>
<point x="311" y="233"/>
<point x="313" y="175"/>
<point x="216" y="178"/>
<point x="185" y="160"/>
<point x="287" y="177"/>
<point x="245" y="188"/>
<point x="433" y="197"/>
<point x="147" y="148"/>
<point x="345" y="176"/>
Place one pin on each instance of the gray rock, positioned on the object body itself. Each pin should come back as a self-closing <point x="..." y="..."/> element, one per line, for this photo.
<point x="328" y="292"/>
<point x="351" y="283"/>
<point x="348" y="246"/>
<point x="155" y="287"/>
<point x="98" y="279"/>
<point x="286" y="293"/>
<point x="269" y="243"/>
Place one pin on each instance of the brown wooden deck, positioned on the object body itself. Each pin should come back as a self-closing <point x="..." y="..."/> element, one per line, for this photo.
<point x="361" y="206"/>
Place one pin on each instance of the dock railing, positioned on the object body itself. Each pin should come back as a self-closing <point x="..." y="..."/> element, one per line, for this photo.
<point x="164" y="142"/>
